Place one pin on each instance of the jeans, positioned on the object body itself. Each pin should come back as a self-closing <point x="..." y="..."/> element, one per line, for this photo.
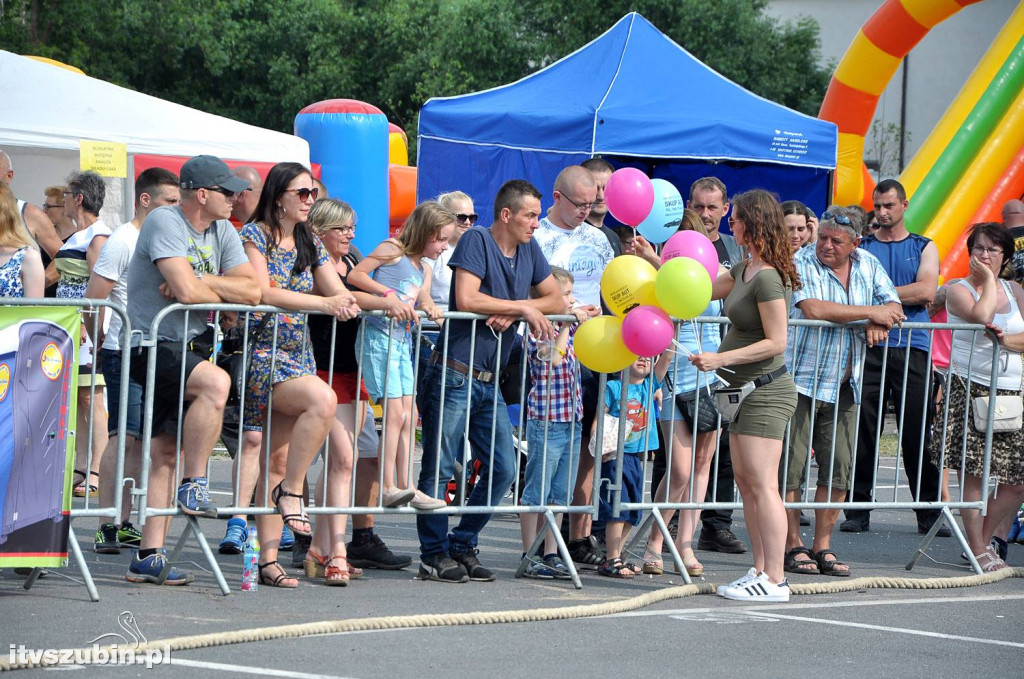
<point x="442" y="441"/>
<point x="550" y="478"/>
<point x="110" y="364"/>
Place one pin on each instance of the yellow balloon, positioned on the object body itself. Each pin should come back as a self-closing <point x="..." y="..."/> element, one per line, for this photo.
<point x="628" y="282"/>
<point x="683" y="287"/>
<point x="598" y="344"/>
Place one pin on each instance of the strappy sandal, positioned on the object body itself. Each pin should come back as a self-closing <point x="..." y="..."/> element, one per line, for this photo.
<point x="829" y="567"/>
<point x="653" y="565"/>
<point x="335" y="576"/>
<point x="315" y="564"/>
<point x="794" y="565"/>
<point x="300" y="518"/>
<point x="990" y="562"/>
<point x="614" y="568"/>
<point x="282" y="580"/>
<point x="82" y="488"/>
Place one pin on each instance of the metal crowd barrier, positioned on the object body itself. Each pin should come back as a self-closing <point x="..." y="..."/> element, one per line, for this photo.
<point x="90" y="508"/>
<point x="497" y="501"/>
<point x="884" y="501"/>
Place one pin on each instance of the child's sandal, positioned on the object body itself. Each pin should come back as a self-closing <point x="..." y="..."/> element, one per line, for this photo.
<point x="614" y="568"/>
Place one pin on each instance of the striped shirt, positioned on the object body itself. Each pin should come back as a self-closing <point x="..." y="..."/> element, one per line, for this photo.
<point x="819" y="362"/>
<point x="561" y="382"/>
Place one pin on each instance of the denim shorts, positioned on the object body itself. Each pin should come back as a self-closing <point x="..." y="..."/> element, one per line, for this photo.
<point x="372" y="354"/>
<point x="110" y="364"/>
<point x="632" y="489"/>
<point x="550" y="480"/>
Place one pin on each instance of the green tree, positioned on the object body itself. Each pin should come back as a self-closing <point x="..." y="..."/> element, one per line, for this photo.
<point x="261" y="61"/>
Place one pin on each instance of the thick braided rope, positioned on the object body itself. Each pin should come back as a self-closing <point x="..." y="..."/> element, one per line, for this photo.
<point x="527" y="615"/>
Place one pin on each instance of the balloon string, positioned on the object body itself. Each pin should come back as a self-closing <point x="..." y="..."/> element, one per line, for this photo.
<point x="690" y="353"/>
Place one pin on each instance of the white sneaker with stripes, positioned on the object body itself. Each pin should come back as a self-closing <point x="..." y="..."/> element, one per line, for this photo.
<point x="750" y="575"/>
<point x="758" y="589"/>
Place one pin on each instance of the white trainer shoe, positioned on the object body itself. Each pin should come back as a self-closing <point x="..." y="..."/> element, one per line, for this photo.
<point x="759" y="589"/>
<point x="750" y="575"/>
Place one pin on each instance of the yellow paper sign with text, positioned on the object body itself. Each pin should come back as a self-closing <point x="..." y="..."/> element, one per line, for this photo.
<point x="107" y="158"/>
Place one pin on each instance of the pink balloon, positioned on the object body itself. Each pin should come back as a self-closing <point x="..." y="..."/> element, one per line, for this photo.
<point x="695" y="246"/>
<point x="629" y="195"/>
<point x="647" y="331"/>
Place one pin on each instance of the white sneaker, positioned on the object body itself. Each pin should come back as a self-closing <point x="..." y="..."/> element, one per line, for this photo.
<point x="397" y="497"/>
<point x="759" y="589"/>
<point x="750" y="575"/>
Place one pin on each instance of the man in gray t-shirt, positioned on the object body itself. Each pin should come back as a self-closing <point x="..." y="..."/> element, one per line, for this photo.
<point x="187" y="254"/>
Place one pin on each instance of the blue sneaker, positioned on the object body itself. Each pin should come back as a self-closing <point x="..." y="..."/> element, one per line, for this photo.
<point x="148" y="570"/>
<point x="194" y="498"/>
<point x="287" y="540"/>
<point x="538" y="570"/>
<point x="234" y="537"/>
<point x="555" y="565"/>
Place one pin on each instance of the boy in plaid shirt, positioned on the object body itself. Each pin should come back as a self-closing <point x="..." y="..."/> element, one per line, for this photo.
<point x="553" y="431"/>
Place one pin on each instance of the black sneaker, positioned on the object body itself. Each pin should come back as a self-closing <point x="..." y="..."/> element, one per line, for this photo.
<point x="375" y="554"/>
<point x="924" y="525"/>
<point x="299" y="550"/>
<point x="442" y="568"/>
<point x="720" y="540"/>
<point x="468" y="560"/>
<point x="128" y="535"/>
<point x="585" y="552"/>
<point x="857" y="521"/>
<point x="106" y="541"/>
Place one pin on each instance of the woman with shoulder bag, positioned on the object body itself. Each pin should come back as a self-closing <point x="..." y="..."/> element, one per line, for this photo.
<point x="690" y="424"/>
<point x="983" y="298"/>
<point x="757" y="293"/>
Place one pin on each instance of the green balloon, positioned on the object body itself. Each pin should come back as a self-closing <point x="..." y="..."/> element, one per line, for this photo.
<point x="683" y="288"/>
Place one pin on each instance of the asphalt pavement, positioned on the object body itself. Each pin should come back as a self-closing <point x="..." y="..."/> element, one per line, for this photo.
<point x="867" y="632"/>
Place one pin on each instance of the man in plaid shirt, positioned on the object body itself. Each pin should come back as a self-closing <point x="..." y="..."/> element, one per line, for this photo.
<point x="841" y="284"/>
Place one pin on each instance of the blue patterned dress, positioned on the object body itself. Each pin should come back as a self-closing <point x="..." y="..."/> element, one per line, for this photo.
<point x="10" y="275"/>
<point x="294" y="351"/>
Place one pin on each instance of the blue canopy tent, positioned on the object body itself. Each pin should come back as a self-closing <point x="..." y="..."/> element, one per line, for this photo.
<point x="636" y="98"/>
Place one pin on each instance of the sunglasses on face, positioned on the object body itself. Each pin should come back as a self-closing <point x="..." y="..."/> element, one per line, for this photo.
<point x="467" y="219"/>
<point x="222" y="191"/>
<point x="304" y="193"/>
<point x="52" y="205"/>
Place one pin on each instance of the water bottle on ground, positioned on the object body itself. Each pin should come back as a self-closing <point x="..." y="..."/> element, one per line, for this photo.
<point x="251" y="563"/>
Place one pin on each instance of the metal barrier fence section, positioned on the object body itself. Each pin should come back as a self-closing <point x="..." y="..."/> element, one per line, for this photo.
<point x="476" y="445"/>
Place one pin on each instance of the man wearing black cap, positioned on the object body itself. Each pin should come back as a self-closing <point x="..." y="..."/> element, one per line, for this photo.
<point x="187" y="253"/>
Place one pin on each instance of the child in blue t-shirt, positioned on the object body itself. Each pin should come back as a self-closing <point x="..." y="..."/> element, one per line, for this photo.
<point x="641" y="436"/>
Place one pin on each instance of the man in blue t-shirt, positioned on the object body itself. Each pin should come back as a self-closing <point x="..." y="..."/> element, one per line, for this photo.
<point x="912" y="263"/>
<point x="493" y="271"/>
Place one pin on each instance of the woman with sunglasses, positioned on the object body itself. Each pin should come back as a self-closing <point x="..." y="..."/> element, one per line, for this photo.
<point x="460" y="205"/>
<point x="83" y="200"/>
<point x="983" y="297"/>
<point x="757" y="294"/>
<point x="292" y="267"/>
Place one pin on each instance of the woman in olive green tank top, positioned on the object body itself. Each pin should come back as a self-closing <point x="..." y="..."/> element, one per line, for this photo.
<point x="757" y="293"/>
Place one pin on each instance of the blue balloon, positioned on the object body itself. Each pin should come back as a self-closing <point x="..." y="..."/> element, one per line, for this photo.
<point x="666" y="214"/>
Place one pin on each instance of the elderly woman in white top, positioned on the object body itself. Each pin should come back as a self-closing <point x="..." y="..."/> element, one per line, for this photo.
<point x="83" y="200"/>
<point x="983" y="298"/>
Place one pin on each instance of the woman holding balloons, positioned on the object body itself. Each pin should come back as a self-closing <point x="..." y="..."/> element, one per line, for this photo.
<point x="757" y="294"/>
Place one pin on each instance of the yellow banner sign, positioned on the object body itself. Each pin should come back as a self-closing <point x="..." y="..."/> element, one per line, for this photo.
<point x="108" y="158"/>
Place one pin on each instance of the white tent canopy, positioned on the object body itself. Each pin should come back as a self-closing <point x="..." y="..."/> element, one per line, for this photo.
<point x="46" y="110"/>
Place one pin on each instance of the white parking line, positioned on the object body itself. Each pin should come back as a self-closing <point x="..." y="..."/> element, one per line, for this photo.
<point x="242" y="669"/>
<point x="899" y="630"/>
<point x="798" y="606"/>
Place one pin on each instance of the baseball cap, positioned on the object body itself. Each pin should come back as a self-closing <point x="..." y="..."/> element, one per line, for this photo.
<point x="207" y="172"/>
